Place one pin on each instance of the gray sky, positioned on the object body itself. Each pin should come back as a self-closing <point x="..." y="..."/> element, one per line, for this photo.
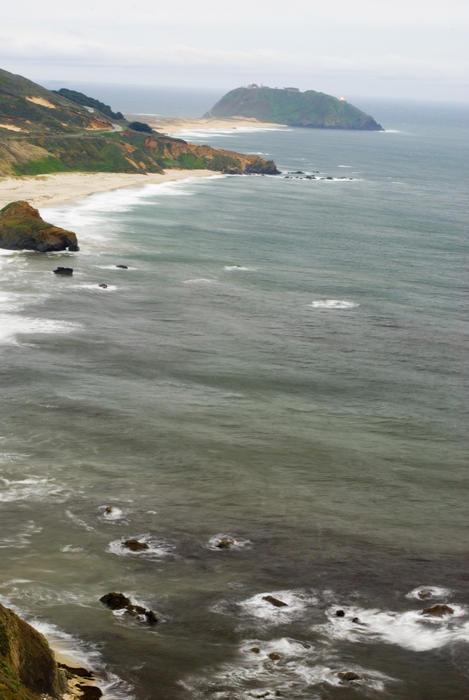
<point x="398" y="48"/>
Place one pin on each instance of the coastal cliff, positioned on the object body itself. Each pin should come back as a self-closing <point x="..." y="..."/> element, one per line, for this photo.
<point x="42" y="132"/>
<point x="28" y="670"/>
<point x="22" y="228"/>
<point x="292" y="107"/>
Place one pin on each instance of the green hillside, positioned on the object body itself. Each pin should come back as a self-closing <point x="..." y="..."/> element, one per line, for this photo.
<point x="290" y="106"/>
<point x="44" y="132"/>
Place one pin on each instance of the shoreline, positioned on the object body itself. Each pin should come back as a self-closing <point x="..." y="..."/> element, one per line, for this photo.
<point x="59" y="188"/>
<point x="176" y="125"/>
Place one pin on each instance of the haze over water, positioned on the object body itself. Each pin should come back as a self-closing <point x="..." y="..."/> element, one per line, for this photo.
<point x="282" y="363"/>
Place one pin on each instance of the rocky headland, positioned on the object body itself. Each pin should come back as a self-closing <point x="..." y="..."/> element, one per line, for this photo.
<point x="22" y="228"/>
<point x="292" y="107"/>
<point x="29" y="670"/>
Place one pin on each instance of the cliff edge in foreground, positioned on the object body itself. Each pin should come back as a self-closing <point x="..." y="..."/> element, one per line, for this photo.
<point x="292" y="107"/>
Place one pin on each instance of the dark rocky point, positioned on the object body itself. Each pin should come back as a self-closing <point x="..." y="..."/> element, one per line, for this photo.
<point x="64" y="271"/>
<point x="255" y="650"/>
<point x="135" y="545"/>
<point x="103" y="285"/>
<point x="274" y="601"/>
<point x="115" y="601"/>
<point x="438" y="611"/>
<point x="89" y="692"/>
<point x="123" y="267"/>
<point x="22" y="228"/>
<point x="339" y="613"/>
<point x="348" y="676"/>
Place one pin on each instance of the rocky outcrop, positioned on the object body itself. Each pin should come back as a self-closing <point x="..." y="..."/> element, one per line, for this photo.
<point x="21" y="228"/>
<point x="118" y="601"/>
<point x="27" y="665"/>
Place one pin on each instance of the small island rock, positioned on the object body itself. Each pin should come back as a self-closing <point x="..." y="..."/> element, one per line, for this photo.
<point x="438" y="611"/>
<point x="64" y="271"/>
<point x="274" y="601"/>
<point x="22" y="228"/>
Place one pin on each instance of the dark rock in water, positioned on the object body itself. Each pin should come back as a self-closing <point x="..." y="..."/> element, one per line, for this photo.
<point x="109" y="510"/>
<point x="256" y="650"/>
<point x="81" y="672"/>
<point x="274" y="656"/>
<point x="118" y="601"/>
<point x="274" y="601"/>
<point x="135" y="545"/>
<point x="424" y="593"/>
<point x="65" y="271"/>
<point x="348" y="676"/>
<point x="89" y="692"/>
<point x="329" y="178"/>
<point x="438" y="611"/>
<point x="103" y="285"/>
<point x="150" y="617"/>
<point x="21" y="227"/>
<point x="115" y="601"/>
<point x="122" y="267"/>
<point x="339" y="613"/>
<point x="357" y="621"/>
<point x="225" y="543"/>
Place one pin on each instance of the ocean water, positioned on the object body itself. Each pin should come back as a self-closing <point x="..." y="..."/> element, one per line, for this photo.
<point x="283" y="363"/>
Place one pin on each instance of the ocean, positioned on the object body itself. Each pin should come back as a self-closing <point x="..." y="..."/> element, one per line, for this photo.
<point x="282" y="365"/>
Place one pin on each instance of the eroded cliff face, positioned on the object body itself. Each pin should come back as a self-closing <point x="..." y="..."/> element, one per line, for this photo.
<point x="28" y="670"/>
<point x="21" y="228"/>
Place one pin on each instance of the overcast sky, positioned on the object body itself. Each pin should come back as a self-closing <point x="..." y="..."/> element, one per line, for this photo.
<point x="398" y="48"/>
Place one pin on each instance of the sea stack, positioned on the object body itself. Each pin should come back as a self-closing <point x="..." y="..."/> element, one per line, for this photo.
<point x="22" y="228"/>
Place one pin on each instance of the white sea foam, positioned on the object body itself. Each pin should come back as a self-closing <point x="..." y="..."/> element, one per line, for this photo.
<point x="157" y="548"/>
<point x="228" y="132"/>
<point x="29" y="489"/>
<point x="22" y="537"/>
<point x="111" y="513"/>
<point x="200" y="280"/>
<point x="333" y="304"/>
<point x="296" y="604"/>
<point x="78" y="521"/>
<point x="284" y="666"/>
<point x="235" y="543"/>
<point x="410" y="629"/>
<point x="423" y="593"/>
<point x="70" y="549"/>
<point x="239" y="268"/>
<point x="96" y="288"/>
<point x="12" y="326"/>
<point x="118" y="269"/>
<point x="345" y="166"/>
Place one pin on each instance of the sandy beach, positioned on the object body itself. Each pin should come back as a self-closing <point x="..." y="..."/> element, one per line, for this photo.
<point x="171" y="125"/>
<point x="56" y="188"/>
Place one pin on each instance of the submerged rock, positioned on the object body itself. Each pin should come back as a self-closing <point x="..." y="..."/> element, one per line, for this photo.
<point x="274" y="656"/>
<point x="103" y="285"/>
<point x="123" y="267"/>
<point x="65" y="271"/>
<point x="225" y="543"/>
<point x="438" y="611"/>
<point x="274" y="601"/>
<point x="348" y="676"/>
<point x="135" y="545"/>
<point x="22" y="228"/>
<point x="424" y="593"/>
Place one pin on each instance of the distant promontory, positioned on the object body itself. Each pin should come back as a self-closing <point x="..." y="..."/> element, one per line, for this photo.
<point x="292" y="107"/>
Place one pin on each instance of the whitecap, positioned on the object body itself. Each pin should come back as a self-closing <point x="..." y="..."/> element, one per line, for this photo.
<point x="12" y="326"/>
<point x="239" y="268"/>
<point x="410" y="629"/>
<point x="284" y="666"/>
<point x="157" y="548"/>
<point x="96" y="288"/>
<point x="110" y="512"/>
<point x="333" y="304"/>
<point x="78" y="521"/>
<point x="296" y="604"/>
<point x="21" y="538"/>
<point x="200" y="280"/>
<point x="345" y="166"/>
<point x="234" y="542"/>
<point x="28" y="489"/>
<point x="423" y="593"/>
<point x="70" y="548"/>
